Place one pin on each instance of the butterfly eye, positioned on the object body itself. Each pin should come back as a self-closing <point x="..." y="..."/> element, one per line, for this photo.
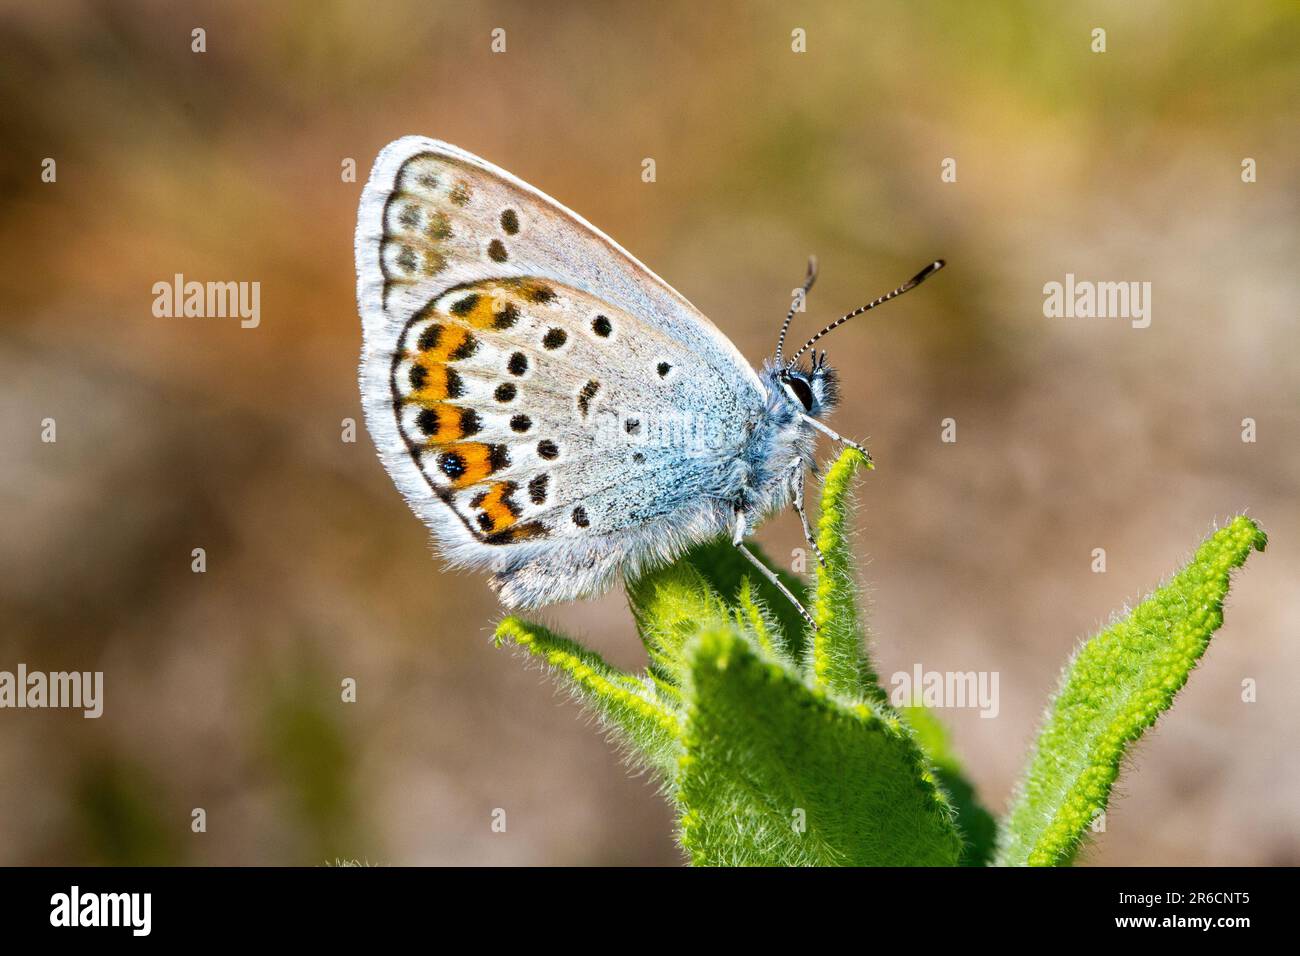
<point x="802" y="391"/>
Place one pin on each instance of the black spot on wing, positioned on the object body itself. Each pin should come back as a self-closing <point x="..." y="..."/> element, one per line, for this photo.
<point x="464" y="306"/>
<point x="587" y="393"/>
<point x="507" y="317"/>
<point x="451" y="464"/>
<point x="465" y="349"/>
<point x="429" y="338"/>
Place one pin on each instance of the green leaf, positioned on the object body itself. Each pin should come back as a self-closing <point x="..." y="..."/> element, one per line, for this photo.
<point x="727" y="570"/>
<point x="977" y="825"/>
<point x="773" y="772"/>
<point x="753" y="616"/>
<point x="701" y="590"/>
<point x="625" y="704"/>
<point x="839" y="656"/>
<point x="1115" y="687"/>
<point x="670" y="604"/>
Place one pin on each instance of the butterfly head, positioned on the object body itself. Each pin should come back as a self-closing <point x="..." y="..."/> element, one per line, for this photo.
<point x="812" y="389"/>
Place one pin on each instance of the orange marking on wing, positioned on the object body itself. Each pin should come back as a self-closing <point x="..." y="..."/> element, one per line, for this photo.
<point x="450" y="346"/>
<point x="451" y="425"/>
<point x="497" y="508"/>
<point x="474" y="462"/>
<point x="520" y="532"/>
<point x="436" y="386"/>
<point x="484" y="313"/>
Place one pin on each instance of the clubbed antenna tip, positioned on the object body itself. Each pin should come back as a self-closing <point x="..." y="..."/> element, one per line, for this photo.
<point x="907" y="286"/>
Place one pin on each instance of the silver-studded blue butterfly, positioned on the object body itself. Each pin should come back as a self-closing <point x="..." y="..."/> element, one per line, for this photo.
<point x="551" y="408"/>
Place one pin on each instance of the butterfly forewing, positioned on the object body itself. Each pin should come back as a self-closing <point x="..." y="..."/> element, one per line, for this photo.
<point x="533" y="389"/>
<point x="434" y="216"/>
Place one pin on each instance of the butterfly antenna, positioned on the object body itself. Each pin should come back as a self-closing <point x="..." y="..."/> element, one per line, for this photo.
<point x="907" y="286"/>
<point x="794" y="306"/>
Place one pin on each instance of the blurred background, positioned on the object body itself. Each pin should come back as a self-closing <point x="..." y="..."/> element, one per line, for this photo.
<point x="222" y="689"/>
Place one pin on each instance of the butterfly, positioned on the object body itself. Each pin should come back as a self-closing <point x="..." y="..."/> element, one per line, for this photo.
<point x="554" y="411"/>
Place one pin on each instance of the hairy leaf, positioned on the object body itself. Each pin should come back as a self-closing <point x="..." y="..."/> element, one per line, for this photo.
<point x="774" y="772"/>
<point x="839" y="654"/>
<point x="670" y="604"/>
<point x="978" y="827"/>
<point x="698" y="591"/>
<point x="1113" y="689"/>
<point x="624" y="703"/>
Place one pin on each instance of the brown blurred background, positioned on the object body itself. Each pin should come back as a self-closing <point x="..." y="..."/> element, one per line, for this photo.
<point x="223" y="688"/>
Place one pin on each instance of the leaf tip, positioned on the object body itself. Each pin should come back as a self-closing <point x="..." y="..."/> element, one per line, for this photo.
<point x="1249" y="529"/>
<point x="511" y="630"/>
<point x="1231" y="545"/>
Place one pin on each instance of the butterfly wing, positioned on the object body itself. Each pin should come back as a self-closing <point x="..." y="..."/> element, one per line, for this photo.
<point x="551" y="408"/>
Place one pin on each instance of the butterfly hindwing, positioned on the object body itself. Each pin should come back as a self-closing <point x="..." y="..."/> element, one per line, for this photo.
<point x="531" y="417"/>
<point x="550" y="408"/>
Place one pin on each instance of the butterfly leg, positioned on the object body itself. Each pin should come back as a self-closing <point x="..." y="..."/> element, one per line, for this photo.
<point x="836" y="436"/>
<point x="796" y="481"/>
<point x="738" y="539"/>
